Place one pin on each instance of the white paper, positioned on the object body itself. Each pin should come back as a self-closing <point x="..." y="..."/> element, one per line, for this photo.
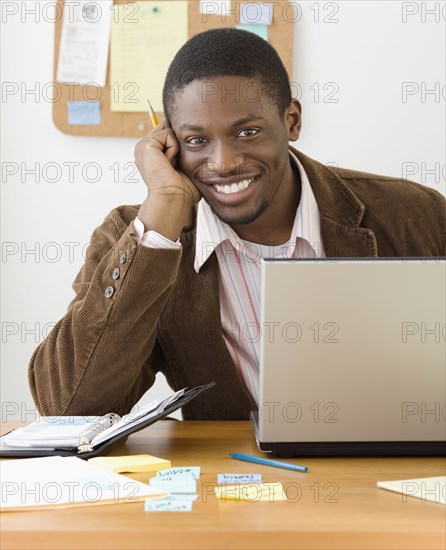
<point x="233" y="479"/>
<point x="215" y="7"/>
<point x="50" y="431"/>
<point x="84" y="45"/>
<point x="63" y="431"/>
<point x="428" y="488"/>
<point x="149" y="411"/>
<point x="65" y="481"/>
<point x="143" y="45"/>
<point x="256" y="13"/>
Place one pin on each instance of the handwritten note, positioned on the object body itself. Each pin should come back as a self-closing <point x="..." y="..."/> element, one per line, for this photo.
<point x="184" y="471"/>
<point x="174" y="479"/>
<point x="238" y="478"/>
<point x="84" y="112"/>
<point x="84" y="44"/>
<point x="144" y="41"/>
<point x="168" y="505"/>
<point x="251" y="492"/>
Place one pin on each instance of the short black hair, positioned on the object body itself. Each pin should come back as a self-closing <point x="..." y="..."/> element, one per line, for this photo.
<point x="228" y="52"/>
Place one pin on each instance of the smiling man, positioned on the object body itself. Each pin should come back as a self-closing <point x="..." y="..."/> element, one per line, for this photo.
<point x="172" y="285"/>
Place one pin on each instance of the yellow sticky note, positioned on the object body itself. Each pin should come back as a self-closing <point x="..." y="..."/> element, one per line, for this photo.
<point x="131" y="463"/>
<point x="251" y="492"/>
<point x="145" y="37"/>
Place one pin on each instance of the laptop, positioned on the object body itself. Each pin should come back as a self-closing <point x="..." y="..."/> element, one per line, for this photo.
<point x="353" y="357"/>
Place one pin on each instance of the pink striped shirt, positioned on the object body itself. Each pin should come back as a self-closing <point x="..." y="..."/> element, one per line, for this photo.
<point x="239" y="263"/>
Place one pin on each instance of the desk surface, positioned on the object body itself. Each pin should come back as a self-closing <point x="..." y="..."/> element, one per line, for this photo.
<point x="335" y="505"/>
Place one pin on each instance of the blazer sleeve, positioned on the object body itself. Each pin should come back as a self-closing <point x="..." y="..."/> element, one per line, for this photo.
<point x="103" y="355"/>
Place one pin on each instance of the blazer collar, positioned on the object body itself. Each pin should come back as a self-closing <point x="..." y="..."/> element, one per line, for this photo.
<point x="341" y="212"/>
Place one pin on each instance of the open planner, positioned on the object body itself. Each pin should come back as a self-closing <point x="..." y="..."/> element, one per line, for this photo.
<point x="85" y="437"/>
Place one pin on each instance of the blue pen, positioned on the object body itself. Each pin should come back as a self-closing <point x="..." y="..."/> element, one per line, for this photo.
<point x="268" y="462"/>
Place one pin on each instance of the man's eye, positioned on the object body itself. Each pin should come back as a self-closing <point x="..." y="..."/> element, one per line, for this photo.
<point x="248" y="132"/>
<point x="195" y="140"/>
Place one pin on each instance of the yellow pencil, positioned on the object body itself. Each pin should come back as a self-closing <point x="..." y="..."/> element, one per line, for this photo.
<point x="152" y="115"/>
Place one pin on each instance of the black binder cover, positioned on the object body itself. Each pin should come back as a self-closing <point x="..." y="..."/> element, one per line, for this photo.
<point x="30" y="452"/>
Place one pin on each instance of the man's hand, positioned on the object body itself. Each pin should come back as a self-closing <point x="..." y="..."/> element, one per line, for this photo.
<point x="171" y="194"/>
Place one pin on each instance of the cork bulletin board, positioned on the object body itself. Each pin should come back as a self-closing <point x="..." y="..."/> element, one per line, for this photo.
<point x="137" y="124"/>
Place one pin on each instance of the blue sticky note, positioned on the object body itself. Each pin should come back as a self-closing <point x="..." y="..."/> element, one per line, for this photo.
<point x="84" y="112"/>
<point x="167" y="505"/>
<point x="180" y="486"/>
<point x="259" y="30"/>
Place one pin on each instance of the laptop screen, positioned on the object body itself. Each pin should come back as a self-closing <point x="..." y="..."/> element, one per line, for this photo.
<point x="353" y="350"/>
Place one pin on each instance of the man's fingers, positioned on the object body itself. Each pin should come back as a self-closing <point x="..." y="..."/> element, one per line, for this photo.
<point x="161" y="139"/>
<point x="171" y="147"/>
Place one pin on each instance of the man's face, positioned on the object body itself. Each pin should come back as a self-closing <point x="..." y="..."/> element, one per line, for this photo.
<point x="234" y="146"/>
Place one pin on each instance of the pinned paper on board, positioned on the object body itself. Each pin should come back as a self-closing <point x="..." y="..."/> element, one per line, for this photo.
<point x="120" y="26"/>
<point x="142" y="49"/>
<point x="85" y="40"/>
<point x="84" y="112"/>
<point x="256" y="13"/>
<point x="259" y="30"/>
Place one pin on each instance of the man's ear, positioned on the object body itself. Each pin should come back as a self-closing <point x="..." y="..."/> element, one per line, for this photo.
<point x="293" y="119"/>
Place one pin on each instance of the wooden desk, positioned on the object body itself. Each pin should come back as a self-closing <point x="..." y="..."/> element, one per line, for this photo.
<point x="336" y="505"/>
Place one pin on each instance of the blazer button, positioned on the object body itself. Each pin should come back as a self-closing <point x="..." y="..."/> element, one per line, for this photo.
<point x="116" y="273"/>
<point x="109" y="291"/>
<point x="122" y="258"/>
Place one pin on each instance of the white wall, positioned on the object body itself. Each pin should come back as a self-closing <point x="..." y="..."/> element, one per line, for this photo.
<point x="368" y="55"/>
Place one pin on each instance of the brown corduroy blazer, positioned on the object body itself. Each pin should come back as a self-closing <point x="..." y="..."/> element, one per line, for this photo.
<point x="161" y="316"/>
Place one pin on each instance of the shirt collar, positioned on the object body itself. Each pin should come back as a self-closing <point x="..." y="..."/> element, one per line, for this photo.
<point x="212" y="232"/>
